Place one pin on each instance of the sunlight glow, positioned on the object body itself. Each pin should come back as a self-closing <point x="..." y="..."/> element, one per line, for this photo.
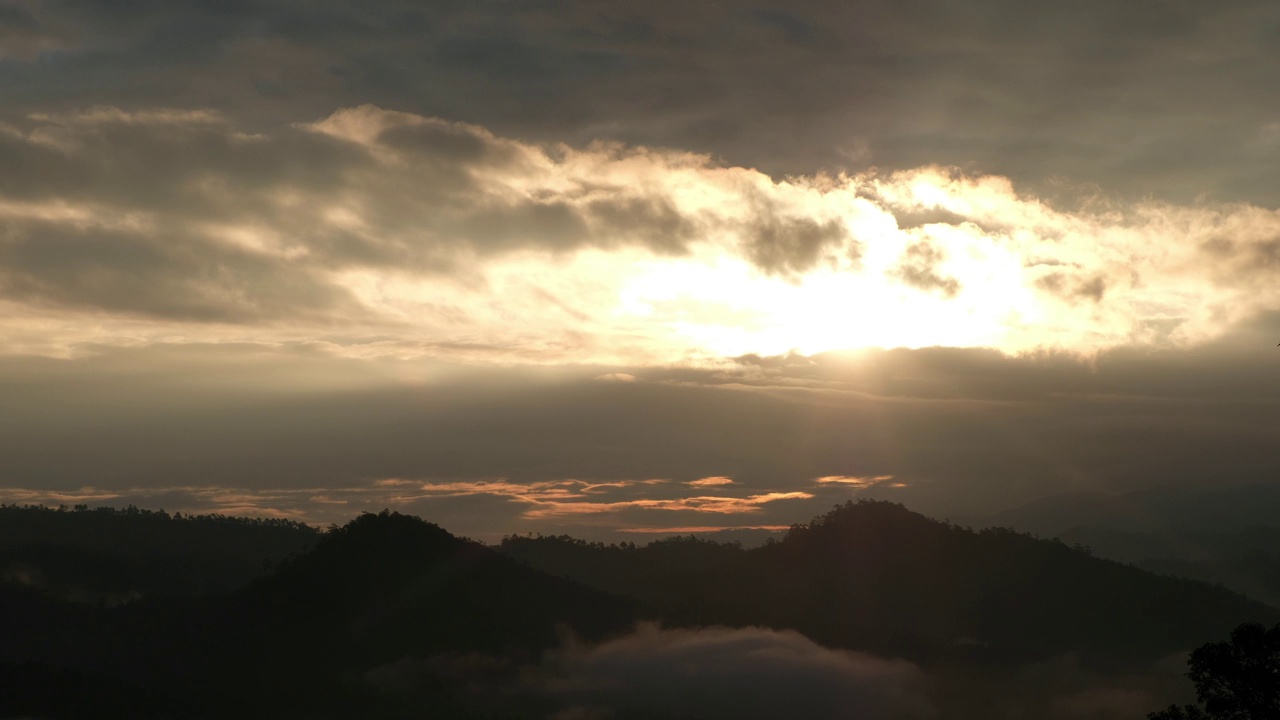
<point x="622" y="256"/>
<point x="730" y="308"/>
<point x="1014" y="275"/>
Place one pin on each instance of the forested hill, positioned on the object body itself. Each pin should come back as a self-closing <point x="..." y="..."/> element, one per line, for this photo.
<point x="384" y="598"/>
<point x="114" y="554"/>
<point x="872" y="575"/>
<point x="876" y="576"/>
<point x="390" y="616"/>
<point x="385" y="617"/>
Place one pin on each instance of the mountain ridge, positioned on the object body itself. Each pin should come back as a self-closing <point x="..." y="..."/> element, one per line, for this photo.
<point x="390" y="614"/>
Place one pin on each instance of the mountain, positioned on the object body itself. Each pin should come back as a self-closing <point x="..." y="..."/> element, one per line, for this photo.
<point x="1219" y="533"/>
<point x="876" y="576"/>
<point x="1209" y="507"/>
<point x="113" y="555"/>
<point x="389" y="616"/>
<point x="386" y="600"/>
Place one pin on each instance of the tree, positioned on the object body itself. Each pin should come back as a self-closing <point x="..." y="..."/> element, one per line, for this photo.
<point x="1238" y="679"/>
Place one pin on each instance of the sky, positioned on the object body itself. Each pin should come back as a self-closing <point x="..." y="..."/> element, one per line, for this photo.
<point x="623" y="269"/>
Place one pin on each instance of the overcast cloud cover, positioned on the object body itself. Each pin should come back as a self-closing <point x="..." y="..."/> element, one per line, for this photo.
<point x="1169" y="97"/>
<point x="618" y="267"/>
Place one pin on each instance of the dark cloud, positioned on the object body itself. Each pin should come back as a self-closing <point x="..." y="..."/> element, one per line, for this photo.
<point x="26" y="35"/>
<point x="653" y="221"/>
<point x="792" y="245"/>
<point x="919" y="269"/>
<point x="181" y="215"/>
<point x="443" y="147"/>
<point x="1242" y="258"/>
<point x="193" y="163"/>
<point x="158" y="275"/>
<point x="732" y="673"/>
<point x="1089" y="92"/>
<point x="919" y="217"/>
<point x="1063" y="285"/>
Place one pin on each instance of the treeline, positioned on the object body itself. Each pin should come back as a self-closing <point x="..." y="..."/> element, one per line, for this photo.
<point x="116" y="554"/>
<point x="385" y="617"/>
<point x="391" y="617"/>
<point x="876" y="576"/>
<point x="13" y="511"/>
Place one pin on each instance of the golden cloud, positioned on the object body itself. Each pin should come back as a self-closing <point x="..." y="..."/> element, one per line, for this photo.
<point x="711" y="481"/>
<point x="605" y="254"/>
<point x="854" y="480"/>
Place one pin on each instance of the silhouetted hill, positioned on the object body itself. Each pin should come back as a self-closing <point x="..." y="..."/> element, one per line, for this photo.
<point x="113" y="555"/>
<point x="664" y="574"/>
<point x="385" y="596"/>
<point x="397" y="581"/>
<point x="389" y="587"/>
<point x="875" y="576"/>
<point x="392" y="617"/>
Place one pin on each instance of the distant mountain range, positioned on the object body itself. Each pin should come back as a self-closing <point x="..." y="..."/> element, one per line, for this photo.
<point x="1205" y="506"/>
<point x="1226" y="534"/>
<point x="389" y="616"/>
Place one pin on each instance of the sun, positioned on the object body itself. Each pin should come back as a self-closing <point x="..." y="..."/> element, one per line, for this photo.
<point x="727" y="307"/>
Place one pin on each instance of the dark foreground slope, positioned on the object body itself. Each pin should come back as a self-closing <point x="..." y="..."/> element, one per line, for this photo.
<point x="372" y="622"/>
<point x="875" y="576"/>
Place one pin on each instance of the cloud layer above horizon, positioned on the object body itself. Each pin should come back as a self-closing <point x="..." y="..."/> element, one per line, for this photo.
<point x="484" y="451"/>
<point x="387" y="233"/>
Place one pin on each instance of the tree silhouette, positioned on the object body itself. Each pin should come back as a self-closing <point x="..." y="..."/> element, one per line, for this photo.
<point x="1237" y="679"/>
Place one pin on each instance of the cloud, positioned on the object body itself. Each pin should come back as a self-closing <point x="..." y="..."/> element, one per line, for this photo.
<point x="731" y="673"/>
<point x="274" y="418"/>
<point x="27" y="496"/>
<point x="718" y="672"/>
<point x="702" y="504"/>
<point x="919" y="269"/>
<point x="388" y="233"/>
<point x="860" y="482"/>
<point x="180" y="215"/>
<point x="794" y="245"/>
<point x="617" y="377"/>
<point x="713" y="481"/>
<point x="1091" y="289"/>
<point x="304" y="504"/>
<point x="152" y="274"/>
<point x="813" y="85"/>
<point x="554" y="499"/>
<point x="478" y="508"/>
<point x="25" y="35"/>
<point x="439" y="237"/>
